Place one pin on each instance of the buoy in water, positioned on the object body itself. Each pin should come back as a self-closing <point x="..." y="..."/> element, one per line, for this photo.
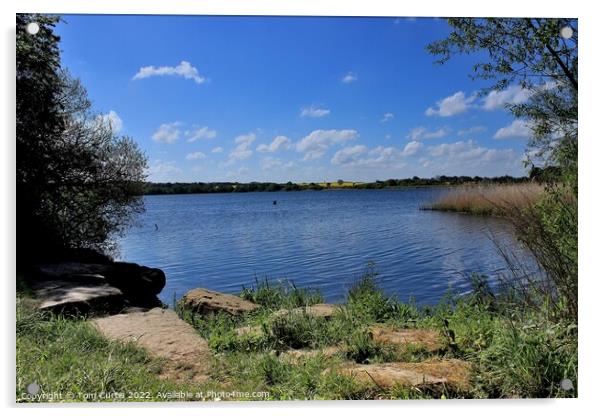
<point x="274" y="202"/>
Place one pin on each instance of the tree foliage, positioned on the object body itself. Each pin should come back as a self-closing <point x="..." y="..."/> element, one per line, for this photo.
<point x="533" y="54"/>
<point x="78" y="182"/>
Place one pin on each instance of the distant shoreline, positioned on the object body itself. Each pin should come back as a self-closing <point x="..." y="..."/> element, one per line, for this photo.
<point x="180" y="188"/>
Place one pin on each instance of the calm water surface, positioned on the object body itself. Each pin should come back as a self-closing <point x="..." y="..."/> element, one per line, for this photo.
<point x="316" y="239"/>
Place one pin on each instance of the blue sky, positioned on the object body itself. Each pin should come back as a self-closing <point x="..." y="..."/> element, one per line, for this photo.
<point x="292" y="98"/>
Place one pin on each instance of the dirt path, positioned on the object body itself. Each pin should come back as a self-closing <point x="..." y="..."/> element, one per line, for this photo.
<point x="163" y="334"/>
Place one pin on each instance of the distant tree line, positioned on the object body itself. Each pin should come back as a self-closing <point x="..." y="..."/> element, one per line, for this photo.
<point x="166" y="188"/>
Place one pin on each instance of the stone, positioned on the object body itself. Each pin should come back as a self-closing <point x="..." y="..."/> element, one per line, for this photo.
<point x="77" y="296"/>
<point x="319" y="310"/>
<point x="162" y="334"/>
<point x="249" y="331"/>
<point x="67" y="270"/>
<point x="132" y="279"/>
<point x="296" y="355"/>
<point x="427" y="338"/>
<point x="453" y="373"/>
<point x="204" y="301"/>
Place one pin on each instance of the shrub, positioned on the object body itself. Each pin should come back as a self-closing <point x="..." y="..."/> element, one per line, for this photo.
<point x="78" y="181"/>
<point x="300" y="330"/>
<point x="361" y="348"/>
<point x="549" y="231"/>
<point x="366" y="299"/>
<point x="529" y="360"/>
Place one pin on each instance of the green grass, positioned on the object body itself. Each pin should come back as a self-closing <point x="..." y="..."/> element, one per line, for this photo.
<point x="280" y="295"/>
<point x="67" y="356"/>
<point x="515" y="352"/>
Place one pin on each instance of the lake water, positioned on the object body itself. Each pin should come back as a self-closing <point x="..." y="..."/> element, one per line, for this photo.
<point x="317" y="239"/>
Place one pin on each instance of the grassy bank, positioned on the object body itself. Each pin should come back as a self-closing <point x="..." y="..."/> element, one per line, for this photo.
<point x="70" y="360"/>
<point x="488" y="199"/>
<point x="514" y="352"/>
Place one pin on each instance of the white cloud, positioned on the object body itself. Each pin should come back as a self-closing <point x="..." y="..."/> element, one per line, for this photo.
<point x="184" y="69"/>
<point x="468" y="158"/>
<point x="454" y="104"/>
<point x="163" y="171"/>
<point x="380" y="157"/>
<point x="420" y="133"/>
<point x="200" y="133"/>
<point x="514" y="94"/>
<point x="518" y="128"/>
<point x="195" y="156"/>
<point x="279" y="143"/>
<point x="245" y="139"/>
<point x="463" y="151"/>
<point x="387" y="117"/>
<point x="315" y="112"/>
<point x="167" y="133"/>
<point x="242" y="150"/>
<point x="348" y="154"/>
<point x="472" y="130"/>
<point x="270" y="163"/>
<point x="315" y="144"/>
<point x="217" y="149"/>
<point x="112" y="120"/>
<point x="237" y="173"/>
<point x="411" y="148"/>
<point x="349" y="77"/>
<point x="459" y="158"/>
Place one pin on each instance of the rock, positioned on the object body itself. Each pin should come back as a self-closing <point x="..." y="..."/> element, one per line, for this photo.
<point x="204" y="301"/>
<point x="78" y="296"/>
<point x="162" y="334"/>
<point x="426" y="338"/>
<point x="453" y="373"/>
<point x="67" y="270"/>
<point x="296" y="355"/>
<point x="319" y="310"/>
<point x="249" y="330"/>
<point x="132" y="279"/>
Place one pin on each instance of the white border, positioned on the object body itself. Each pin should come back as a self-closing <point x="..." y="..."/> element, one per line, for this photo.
<point x="589" y="219"/>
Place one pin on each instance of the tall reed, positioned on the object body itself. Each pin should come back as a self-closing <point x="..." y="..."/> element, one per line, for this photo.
<point x="488" y="199"/>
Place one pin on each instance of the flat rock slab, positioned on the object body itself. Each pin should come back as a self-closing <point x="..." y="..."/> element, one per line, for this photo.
<point x="66" y="269"/>
<point x="73" y="296"/>
<point x="128" y="277"/>
<point x="453" y="373"/>
<point x="319" y="310"/>
<point x="295" y="355"/>
<point x="162" y="334"/>
<point x="204" y="301"/>
<point x="254" y="331"/>
<point x="427" y="338"/>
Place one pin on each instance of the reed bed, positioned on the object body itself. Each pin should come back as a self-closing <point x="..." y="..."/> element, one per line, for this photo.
<point x="488" y="199"/>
